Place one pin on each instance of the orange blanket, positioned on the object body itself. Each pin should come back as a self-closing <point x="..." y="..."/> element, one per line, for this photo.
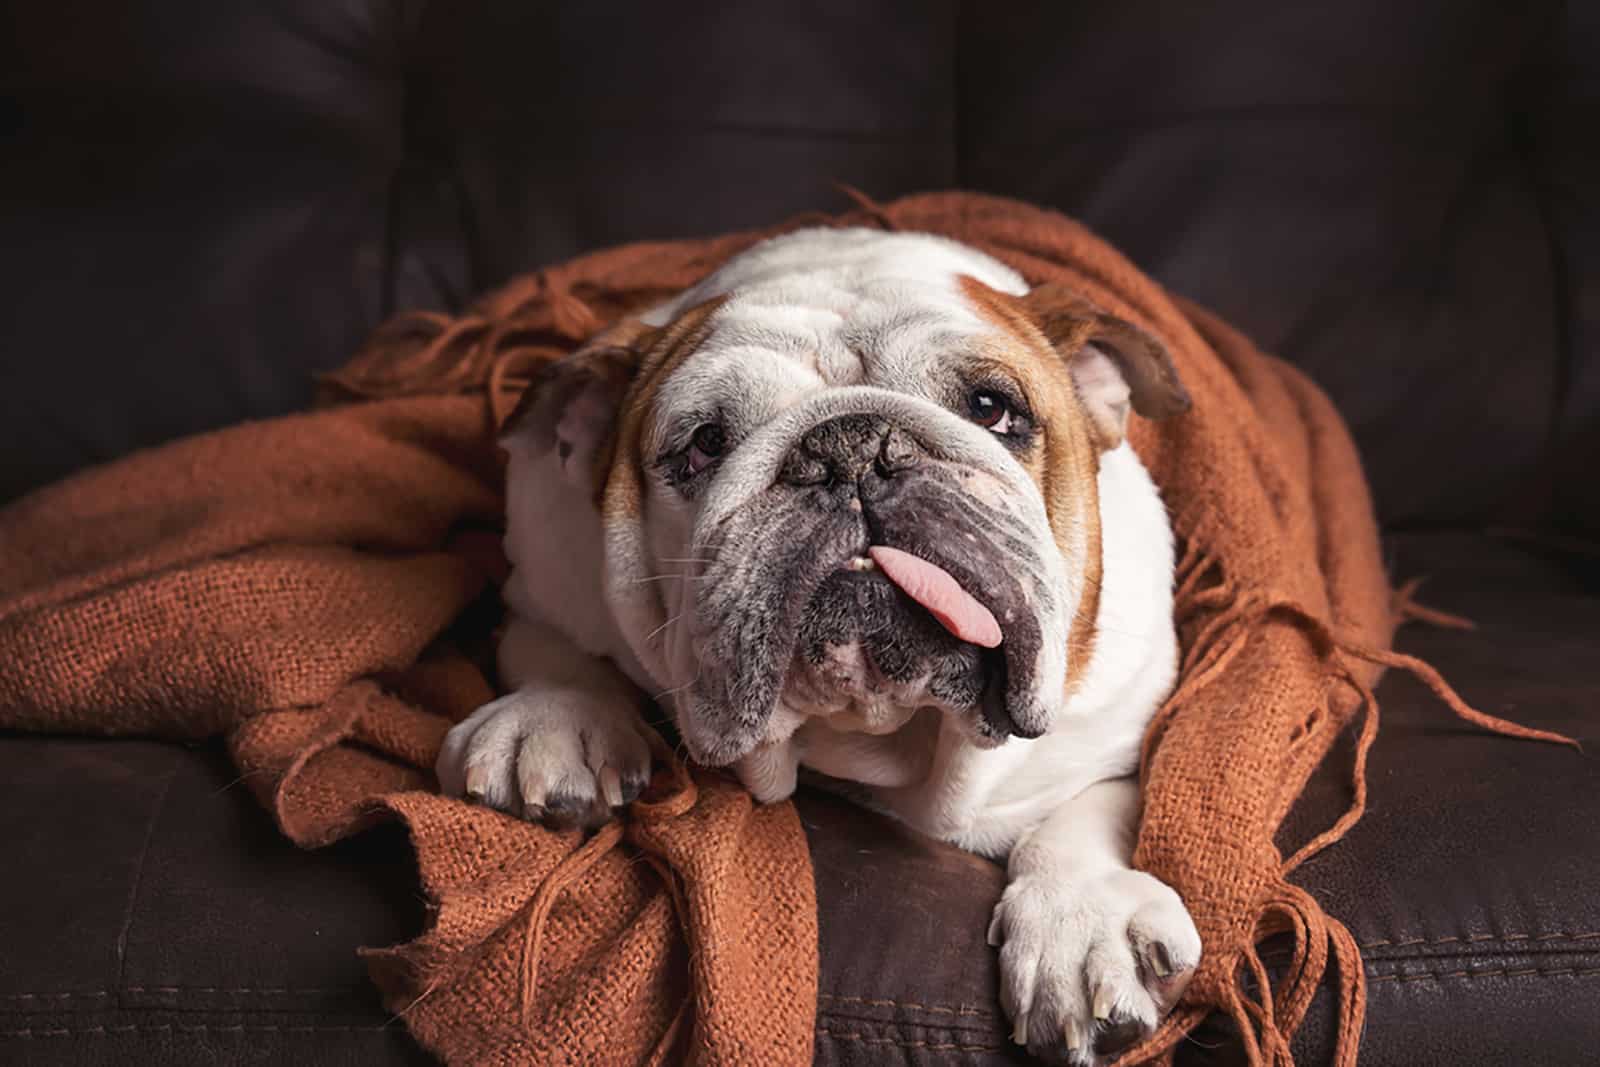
<point x="319" y="588"/>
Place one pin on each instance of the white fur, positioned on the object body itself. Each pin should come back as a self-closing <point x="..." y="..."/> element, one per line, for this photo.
<point x="1076" y="925"/>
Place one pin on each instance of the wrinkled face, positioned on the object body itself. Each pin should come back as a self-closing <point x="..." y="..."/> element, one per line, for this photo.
<point x="773" y="442"/>
<point x="782" y="612"/>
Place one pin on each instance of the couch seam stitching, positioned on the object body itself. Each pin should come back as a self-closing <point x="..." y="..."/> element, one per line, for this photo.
<point x="931" y="1046"/>
<point x="960" y="1011"/>
<point x="101" y="994"/>
<point x="901" y="1024"/>
<point x="101" y="1031"/>
<point x="1480" y="938"/>
<point x="1500" y="972"/>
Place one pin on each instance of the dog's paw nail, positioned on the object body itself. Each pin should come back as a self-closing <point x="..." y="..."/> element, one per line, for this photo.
<point x="611" y="786"/>
<point x="1160" y="960"/>
<point x="477" y="784"/>
<point x="1103" y="1003"/>
<point x="994" y="936"/>
<point x="1019" y="1029"/>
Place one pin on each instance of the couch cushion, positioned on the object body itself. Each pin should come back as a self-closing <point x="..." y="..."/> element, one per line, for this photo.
<point x="151" y="913"/>
<point x="192" y="928"/>
<point x="1470" y="883"/>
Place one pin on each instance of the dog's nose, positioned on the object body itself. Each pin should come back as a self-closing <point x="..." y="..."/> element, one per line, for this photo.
<point x="849" y="448"/>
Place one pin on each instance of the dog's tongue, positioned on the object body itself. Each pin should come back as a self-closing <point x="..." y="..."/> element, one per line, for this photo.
<point x="932" y="587"/>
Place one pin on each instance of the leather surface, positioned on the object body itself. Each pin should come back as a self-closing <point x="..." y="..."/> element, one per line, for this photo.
<point x="1470" y="882"/>
<point x="152" y="914"/>
<point x="204" y="203"/>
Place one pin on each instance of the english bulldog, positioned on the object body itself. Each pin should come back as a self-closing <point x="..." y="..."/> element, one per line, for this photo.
<point x="861" y="502"/>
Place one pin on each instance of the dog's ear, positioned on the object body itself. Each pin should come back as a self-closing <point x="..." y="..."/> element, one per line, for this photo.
<point x="571" y="405"/>
<point x="1114" y="363"/>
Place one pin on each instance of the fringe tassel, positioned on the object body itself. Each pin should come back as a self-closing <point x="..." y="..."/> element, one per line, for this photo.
<point x="1267" y="1023"/>
<point x="1358" y="777"/>
<point x="497" y="347"/>
<point x="1424" y="673"/>
<point x="1352" y="994"/>
<point x="878" y="213"/>
<point x="1404" y="607"/>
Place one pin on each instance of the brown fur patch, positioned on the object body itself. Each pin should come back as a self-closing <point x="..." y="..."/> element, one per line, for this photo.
<point x="620" y="497"/>
<point x="1065" y="463"/>
<point x="1069" y="321"/>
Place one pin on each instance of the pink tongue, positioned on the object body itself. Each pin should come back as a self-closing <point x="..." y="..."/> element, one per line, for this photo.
<point x="934" y="589"/>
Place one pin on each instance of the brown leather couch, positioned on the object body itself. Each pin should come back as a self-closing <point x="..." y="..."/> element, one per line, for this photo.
<point x="203" y="203"/>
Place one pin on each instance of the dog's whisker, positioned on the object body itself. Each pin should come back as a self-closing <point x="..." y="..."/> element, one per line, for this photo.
<point x="675" y="690"/>
<point x="679" y="688"/>
<point x="651" y="636"/>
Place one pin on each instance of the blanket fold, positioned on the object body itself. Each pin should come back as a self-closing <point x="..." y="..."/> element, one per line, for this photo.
<point x="320" y="589"/>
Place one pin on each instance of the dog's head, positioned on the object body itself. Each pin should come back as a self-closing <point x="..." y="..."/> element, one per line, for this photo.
<point x="853" y="493"/>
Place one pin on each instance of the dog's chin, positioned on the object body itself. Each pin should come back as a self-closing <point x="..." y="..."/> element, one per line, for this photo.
<point x="869" y="658"/>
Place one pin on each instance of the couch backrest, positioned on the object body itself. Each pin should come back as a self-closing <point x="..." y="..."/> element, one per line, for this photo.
<point x="204" y="206"/>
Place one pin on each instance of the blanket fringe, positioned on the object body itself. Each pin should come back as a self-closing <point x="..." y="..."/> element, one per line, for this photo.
<point x="1267" y="1016"/>
<point x="1405" y="608"/>
<point x="496" y="348"/>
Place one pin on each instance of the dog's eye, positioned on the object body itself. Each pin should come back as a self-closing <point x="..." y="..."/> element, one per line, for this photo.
<point x="991" y="410"/>
<point x="705" y="446"/>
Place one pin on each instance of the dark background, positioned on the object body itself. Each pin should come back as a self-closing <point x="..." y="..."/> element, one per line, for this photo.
<point x="202" y="203"/>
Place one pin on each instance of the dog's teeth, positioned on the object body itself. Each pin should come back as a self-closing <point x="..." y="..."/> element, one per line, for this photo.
<point x="861" y="563"/>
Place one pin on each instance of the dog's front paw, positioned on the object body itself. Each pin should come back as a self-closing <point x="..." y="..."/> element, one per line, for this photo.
<point x="1088" y="967"/>
<point x="562" y="757"/>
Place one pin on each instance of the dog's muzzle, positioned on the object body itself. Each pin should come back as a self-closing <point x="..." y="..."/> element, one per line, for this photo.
<point x="794" y="607"/>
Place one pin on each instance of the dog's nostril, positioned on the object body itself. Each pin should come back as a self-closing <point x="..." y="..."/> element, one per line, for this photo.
<point x="800" y="469"/>
<point x="899" y="452"/>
